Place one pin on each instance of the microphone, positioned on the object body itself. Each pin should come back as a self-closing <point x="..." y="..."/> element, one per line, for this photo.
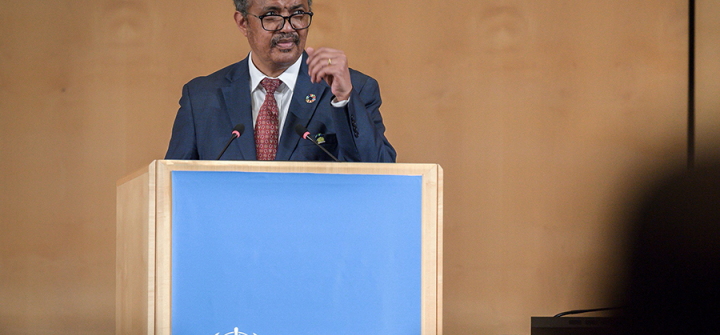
<point x="237" y="131"/>
<point x="303" y="132"/>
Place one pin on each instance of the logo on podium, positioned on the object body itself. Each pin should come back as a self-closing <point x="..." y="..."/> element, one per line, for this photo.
<point x="235" y="332"/>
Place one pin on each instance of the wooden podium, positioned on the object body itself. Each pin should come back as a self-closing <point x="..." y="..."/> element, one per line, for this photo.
<point x="246" y="247"/>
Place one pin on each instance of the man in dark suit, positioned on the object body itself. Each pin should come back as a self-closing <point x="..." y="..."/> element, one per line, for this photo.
<point x="276" y="88"/>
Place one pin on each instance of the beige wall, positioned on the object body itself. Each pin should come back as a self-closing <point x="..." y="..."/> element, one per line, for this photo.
<point x="542" y="113"/>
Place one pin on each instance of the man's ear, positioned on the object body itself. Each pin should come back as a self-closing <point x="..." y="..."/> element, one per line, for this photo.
<point x="241" y="22"/>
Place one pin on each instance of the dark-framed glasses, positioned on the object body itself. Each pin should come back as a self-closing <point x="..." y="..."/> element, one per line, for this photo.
<point x="275" y="22"/>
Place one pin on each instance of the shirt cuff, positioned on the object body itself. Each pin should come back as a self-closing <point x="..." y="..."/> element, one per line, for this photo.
<point x="339" y="104"/>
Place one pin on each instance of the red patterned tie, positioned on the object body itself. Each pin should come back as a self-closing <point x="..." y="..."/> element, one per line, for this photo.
<point x="266" y="127"/>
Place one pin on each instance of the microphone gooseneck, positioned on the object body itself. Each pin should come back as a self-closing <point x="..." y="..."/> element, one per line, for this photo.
<point x="304" y="133"/>
<point x="237" y="132"/>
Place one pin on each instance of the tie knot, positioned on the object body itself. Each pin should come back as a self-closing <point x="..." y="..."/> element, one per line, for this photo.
<point x="270" y="85"/>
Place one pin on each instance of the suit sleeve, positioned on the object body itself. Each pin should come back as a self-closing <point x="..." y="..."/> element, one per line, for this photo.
<point x="361" y="132"/>
<point x="183" y="143"/>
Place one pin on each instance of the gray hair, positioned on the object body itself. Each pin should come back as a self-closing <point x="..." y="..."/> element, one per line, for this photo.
<point x="242" y="6"/>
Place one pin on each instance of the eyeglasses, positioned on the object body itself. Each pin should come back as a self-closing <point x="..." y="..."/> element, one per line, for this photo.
<point x="275" y="22"/>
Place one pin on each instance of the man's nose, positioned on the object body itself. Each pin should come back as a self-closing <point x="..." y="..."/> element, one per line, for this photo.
<point x="287" y="27"/>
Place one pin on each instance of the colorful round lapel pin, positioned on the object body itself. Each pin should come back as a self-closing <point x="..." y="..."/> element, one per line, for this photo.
<point x="310" y="98"/>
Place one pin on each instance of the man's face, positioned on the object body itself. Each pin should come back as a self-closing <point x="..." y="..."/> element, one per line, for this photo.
<point x="273" y="51"/>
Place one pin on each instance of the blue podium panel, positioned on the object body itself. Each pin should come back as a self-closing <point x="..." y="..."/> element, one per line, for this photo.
<point x="295" y="253"/>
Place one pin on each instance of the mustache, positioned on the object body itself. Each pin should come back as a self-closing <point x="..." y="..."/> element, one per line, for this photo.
<point x="284" y="36"/>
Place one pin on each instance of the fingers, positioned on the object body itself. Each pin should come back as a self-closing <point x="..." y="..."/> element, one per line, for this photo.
<point x="324" y="62"/>
<point x="330" y="65"/>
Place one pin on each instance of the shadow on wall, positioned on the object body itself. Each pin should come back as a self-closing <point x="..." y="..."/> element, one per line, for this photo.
<point x="673" y="255"/>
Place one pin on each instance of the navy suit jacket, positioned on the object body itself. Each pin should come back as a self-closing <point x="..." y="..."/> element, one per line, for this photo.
<point x="211" y="106"/>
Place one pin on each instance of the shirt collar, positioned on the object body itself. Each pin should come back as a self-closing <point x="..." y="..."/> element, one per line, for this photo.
<point x="289" y="77"/>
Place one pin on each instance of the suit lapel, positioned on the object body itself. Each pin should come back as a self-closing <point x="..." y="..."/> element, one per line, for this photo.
<point x="302" y="108"/>
<point x="238" y="103"/>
